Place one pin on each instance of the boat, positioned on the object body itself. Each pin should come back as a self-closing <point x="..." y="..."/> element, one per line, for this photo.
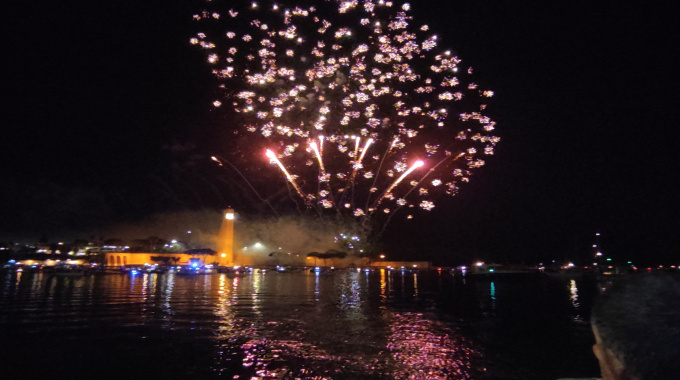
<point x="67" y="270"/>
<point x="483" y="270"/>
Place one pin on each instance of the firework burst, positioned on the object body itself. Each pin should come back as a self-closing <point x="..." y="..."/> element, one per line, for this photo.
<point x="360" y="110"/>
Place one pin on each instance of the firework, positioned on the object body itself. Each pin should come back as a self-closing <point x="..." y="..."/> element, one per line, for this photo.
<point x="361" y="111"/>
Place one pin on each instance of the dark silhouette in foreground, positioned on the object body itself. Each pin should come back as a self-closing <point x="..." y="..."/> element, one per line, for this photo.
<point x="637" y="328"/>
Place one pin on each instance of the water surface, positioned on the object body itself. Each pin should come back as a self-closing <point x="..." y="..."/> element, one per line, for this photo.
<point x="346" y="324"/>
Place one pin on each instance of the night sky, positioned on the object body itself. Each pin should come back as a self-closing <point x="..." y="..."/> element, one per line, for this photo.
<point x="107" y="118"/>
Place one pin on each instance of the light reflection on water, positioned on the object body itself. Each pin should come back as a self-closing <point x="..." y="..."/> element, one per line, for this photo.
<point x="346" y="324"/>
<point x="336" y="330"/>
<point x="573" y="291"/>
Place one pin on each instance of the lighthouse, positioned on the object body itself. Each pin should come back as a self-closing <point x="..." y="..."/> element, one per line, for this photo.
<point x="225" y="239"/>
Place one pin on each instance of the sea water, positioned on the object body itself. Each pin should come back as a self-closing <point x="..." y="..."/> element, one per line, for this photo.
<point x="296" y="324"/>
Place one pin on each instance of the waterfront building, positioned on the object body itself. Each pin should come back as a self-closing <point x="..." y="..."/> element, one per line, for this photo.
<point x="223" y="256"/>
<point x="225" y="239"/>
<point x="117" y="259"/>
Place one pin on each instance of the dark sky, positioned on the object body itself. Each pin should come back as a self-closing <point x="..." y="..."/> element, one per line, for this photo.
<point x="107" y="117"/>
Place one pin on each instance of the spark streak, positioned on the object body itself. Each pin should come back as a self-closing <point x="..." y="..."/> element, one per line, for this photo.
<point x="318" y="156"/>
<point x="413" y="167"/>
<point x="272" y="156"/>
<point x="363" y="153"/>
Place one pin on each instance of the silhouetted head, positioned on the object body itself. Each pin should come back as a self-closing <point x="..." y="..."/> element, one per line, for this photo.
<point x="637" y="328"/>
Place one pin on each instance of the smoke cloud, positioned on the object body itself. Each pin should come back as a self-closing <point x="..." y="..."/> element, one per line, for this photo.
<point x="285" y="240"/>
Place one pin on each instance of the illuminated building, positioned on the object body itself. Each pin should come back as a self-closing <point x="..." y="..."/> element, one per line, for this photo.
<point x="225" y="239"/>
<point x="224" y="255"/>
<point x="118" y="259"/>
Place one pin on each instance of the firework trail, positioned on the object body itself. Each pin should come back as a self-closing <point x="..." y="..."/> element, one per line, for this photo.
<point x="359" y="108"/>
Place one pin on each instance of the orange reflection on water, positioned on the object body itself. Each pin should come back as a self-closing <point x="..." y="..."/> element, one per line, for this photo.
<point x="383" y="286"/>
<point x="415" y="284"/>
